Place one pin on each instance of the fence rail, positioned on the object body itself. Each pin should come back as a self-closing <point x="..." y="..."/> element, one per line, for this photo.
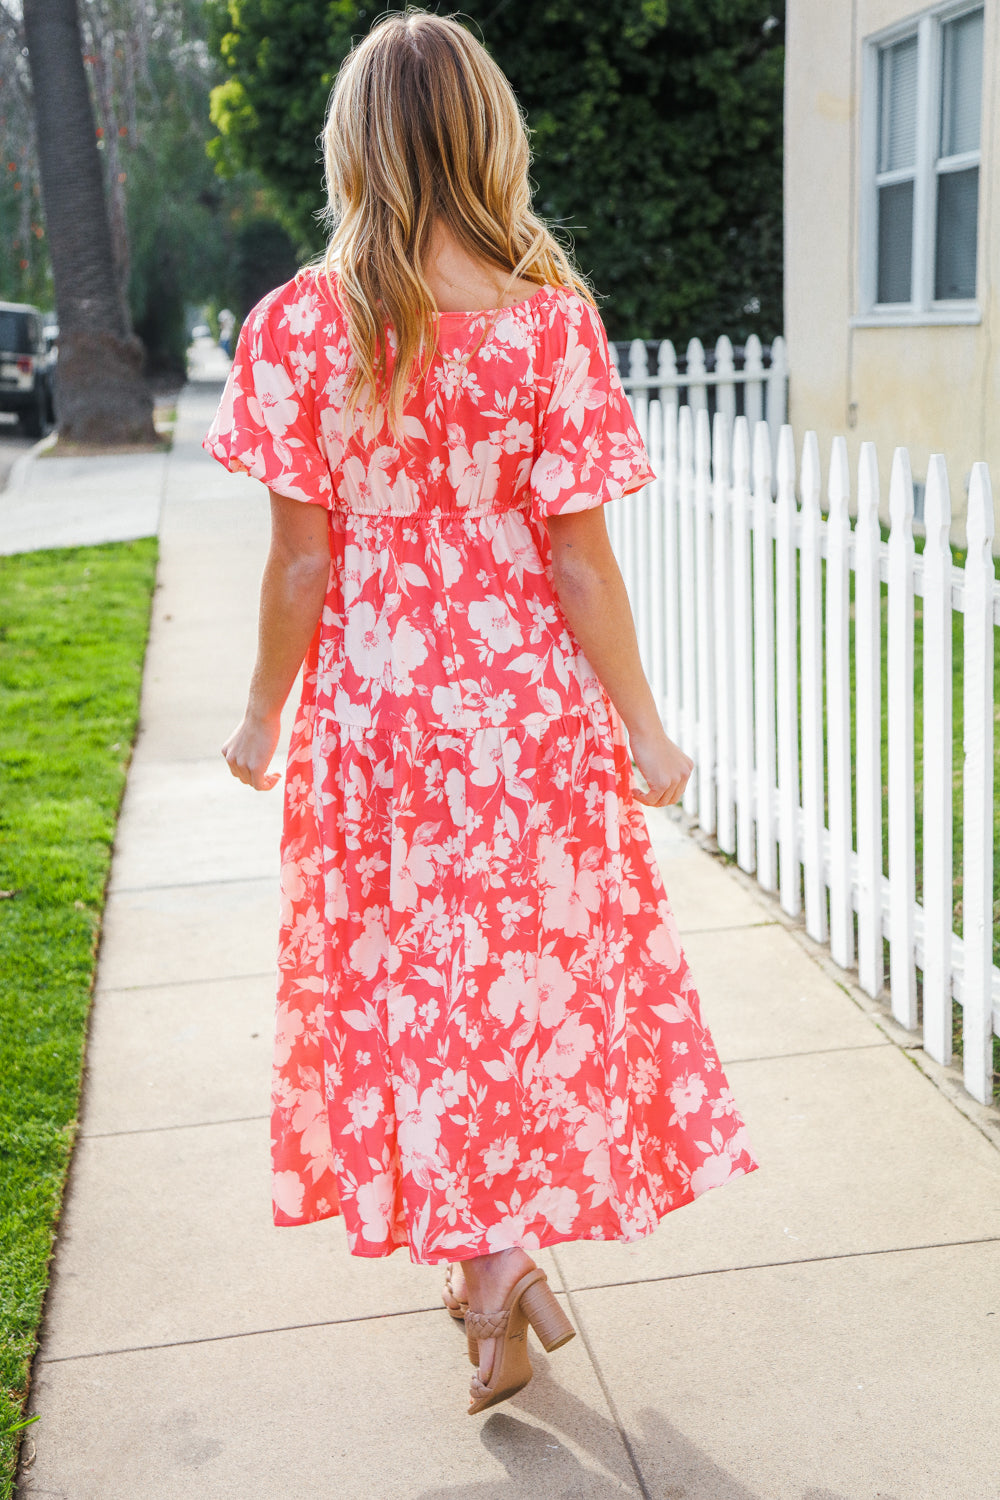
<point x="749" y="628"/>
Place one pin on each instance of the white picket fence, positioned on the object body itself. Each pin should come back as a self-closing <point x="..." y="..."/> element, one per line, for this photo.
<point x="728" y="568"/>
<point x="752" y="382"/>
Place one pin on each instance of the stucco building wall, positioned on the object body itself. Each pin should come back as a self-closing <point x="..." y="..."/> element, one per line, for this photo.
<point x="930" y="388"/>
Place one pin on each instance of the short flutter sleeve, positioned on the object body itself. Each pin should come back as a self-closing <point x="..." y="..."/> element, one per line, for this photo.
<point x="265" y="425"/>
<point x="590" y="448"/>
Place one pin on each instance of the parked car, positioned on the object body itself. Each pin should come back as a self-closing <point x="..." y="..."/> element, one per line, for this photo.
<point x="27" y="360"/>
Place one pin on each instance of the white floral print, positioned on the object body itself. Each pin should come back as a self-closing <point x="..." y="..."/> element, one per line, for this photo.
<point x="487" y="1031"/>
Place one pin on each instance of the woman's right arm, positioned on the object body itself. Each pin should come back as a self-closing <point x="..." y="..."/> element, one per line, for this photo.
<point x="592" y="594"/>
<point x="292" y="592"/>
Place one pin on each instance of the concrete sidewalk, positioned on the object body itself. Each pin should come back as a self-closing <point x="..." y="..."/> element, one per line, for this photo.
<point x="56" y="501"/>
<point x="827" y="1329"/>
<point x="79" y="502"/>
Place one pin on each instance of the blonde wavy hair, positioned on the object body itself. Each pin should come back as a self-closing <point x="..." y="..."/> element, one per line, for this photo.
<point x="423" y="125"/>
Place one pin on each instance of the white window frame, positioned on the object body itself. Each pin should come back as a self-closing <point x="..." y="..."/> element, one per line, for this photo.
<point x="923" y="309"/>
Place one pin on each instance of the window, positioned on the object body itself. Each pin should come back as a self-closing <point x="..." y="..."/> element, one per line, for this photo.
<point x="920" y="224"/>
<point x="957" y="165"/>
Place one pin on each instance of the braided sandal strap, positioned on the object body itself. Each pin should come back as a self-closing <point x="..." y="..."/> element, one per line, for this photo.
<point x="450" y="1289"/>
<point x="486" y="1325"/>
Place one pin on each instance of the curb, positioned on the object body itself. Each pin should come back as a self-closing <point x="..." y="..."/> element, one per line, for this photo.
<point x="20" y="468"/>
<point x="18" y="472"/>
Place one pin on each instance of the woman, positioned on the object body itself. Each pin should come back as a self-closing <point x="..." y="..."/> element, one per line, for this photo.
<point x="488" y="1039"/>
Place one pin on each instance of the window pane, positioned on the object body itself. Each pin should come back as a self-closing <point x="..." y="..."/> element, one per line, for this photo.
<point x="895" y="242"/>
<point x="898" y="106"/>
<point x="955" y="267"/>
<point x="961" y="83"/>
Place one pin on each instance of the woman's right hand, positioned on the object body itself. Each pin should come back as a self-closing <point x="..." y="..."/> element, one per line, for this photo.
<point x="663" y="766"/>
<point x="249" y="749"/>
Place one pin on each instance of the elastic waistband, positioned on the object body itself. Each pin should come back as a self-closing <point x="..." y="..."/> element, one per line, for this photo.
<point x="431" y="513"/>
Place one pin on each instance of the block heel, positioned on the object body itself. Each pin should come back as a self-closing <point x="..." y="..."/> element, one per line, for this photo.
<point x="550" y="1323"/>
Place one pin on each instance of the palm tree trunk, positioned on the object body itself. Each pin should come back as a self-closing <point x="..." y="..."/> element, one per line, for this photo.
<point x="100" y="393"/>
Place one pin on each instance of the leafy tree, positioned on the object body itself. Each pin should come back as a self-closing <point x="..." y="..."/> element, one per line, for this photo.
<point x="656" y="131"/>
<point x="186" y="228"/>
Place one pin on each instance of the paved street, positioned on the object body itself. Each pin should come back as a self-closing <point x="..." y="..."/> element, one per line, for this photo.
<point x="826" y="1329"/>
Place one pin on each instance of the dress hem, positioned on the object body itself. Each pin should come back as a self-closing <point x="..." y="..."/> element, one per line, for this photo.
<point x="543" y="1242"/>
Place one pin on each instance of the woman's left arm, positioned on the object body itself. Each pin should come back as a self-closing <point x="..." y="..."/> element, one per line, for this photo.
<point x="292" y="591"/>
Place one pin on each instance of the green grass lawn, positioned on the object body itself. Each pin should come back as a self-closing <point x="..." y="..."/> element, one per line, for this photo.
<point x="73" y="627"/>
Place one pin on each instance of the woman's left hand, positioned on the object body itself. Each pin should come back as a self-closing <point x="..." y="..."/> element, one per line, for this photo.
<point x="250" y="749"/>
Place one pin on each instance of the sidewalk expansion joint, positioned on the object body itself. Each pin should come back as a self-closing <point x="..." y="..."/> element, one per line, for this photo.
<point x="105" y="1135"/>
<point x="733" y="1062"/>
<point x="247" y="1333"/>
<point x="609" y="1399"/>
<point x="728" y="927"/>
<point x="777" y="1265"/>
<point x="170" y="984"/>
<point x="186" y="885"/>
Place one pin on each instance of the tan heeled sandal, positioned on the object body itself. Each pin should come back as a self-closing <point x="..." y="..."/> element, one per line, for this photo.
<point x="453" y="1304"/>
<point x="530" y="1300"/>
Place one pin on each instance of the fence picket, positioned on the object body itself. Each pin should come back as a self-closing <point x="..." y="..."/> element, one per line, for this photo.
<point x="786" y="639"/>
<point x="977" y="796"/>
<point x="689" y="681"/>
<point x="838" y="705"/>
<point x="776" y="391"/>
<point x="703" y="596"/>
<point x="742" y="647"/>
<point x="638" y="370"/>
<point x="645" y="582"/>
<point x="615" y="511"/>
<point x="753" y="374"/>
<point x="763" y="659"/>
<point x="666" y="369"/>
<point x="902" y="880"/>
<point x="811" y="645"/>
<point x="725" y="391"/>
<point x="697" y="390"/>
<point x="722" y="599"/>
<point x="937" y="765"/>
<point x="635" y="553"/>
<point x="868" y="679"/>
<point x="672" y="565"/>
<point x="657" y="559"/>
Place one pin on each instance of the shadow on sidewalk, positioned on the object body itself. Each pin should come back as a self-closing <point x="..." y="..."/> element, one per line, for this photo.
<point x="672" y="1467"/>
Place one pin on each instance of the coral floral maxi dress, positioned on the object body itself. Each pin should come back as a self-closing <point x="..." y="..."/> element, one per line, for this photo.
<point x="487" y="1032"/>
